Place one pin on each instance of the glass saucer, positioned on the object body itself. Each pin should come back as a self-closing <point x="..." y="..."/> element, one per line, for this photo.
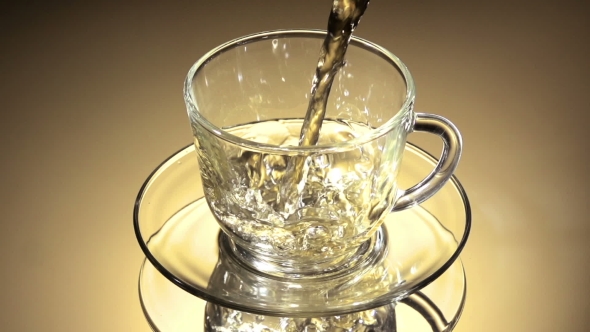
<point x="435" y="308"/>
<point x="181" y="239"/>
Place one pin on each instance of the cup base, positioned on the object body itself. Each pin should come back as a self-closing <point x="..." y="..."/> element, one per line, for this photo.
<point x="366" y="254"/>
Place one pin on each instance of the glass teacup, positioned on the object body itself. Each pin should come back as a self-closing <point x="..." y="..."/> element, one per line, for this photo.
<point x="246" y="100"/>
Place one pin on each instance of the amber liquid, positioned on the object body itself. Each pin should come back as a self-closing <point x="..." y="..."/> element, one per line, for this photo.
<point x="344" y="18"/>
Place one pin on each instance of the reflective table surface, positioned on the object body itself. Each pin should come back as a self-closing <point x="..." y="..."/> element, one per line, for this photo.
<point x="91" y="101"/>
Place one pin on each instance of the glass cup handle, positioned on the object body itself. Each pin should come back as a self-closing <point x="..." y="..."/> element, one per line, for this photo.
<point x="447" y="164"/>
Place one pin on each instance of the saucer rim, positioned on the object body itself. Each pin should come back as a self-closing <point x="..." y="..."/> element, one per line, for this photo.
<point x="377" y="302"/>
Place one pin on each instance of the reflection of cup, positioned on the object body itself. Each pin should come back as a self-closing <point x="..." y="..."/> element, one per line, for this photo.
<point x="381" y="319"/>
<point x="246" y="99"/>
<point x="218" y="318"/>
<point x="229" y="279"/>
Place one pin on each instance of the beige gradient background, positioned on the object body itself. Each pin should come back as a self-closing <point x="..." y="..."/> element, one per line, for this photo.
<point x="91" y="101"/>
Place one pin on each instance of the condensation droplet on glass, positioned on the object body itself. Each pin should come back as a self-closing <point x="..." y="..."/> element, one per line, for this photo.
<point x="283" y="79"/>
<point x="275" y="43"/>
<point x="346" y="93"/>
<point x="240" y="78"/>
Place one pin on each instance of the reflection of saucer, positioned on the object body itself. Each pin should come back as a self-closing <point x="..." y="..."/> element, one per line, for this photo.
<point x="186" y="251"/>
<point x="436" y="307"/>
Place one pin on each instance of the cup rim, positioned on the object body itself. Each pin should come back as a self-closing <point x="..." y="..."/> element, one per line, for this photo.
<point x="370" y="135"/>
